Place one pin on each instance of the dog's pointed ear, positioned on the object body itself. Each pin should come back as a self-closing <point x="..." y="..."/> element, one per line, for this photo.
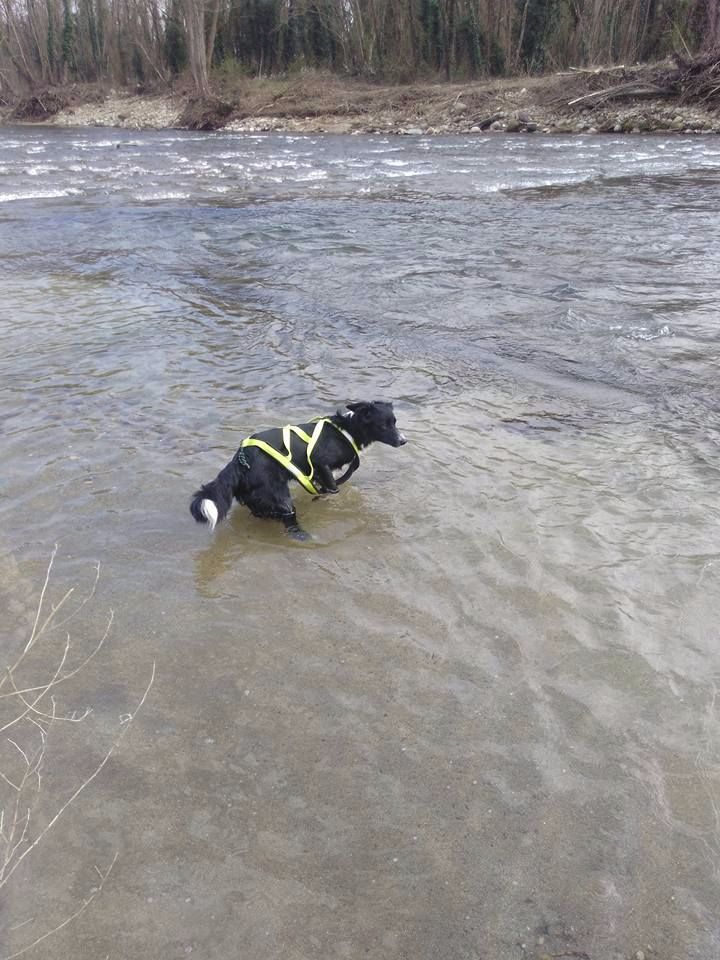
<point x="362" y="409"/>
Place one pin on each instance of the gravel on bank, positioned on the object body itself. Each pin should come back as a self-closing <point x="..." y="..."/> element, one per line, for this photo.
<point x="564" y="103"/>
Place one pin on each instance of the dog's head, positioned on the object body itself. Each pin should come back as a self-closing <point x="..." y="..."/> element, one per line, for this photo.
<point x="375" y="421"/>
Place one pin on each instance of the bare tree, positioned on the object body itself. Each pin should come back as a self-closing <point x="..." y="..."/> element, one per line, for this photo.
<point x="131" y="41"/>
<point x="194" y="11"/>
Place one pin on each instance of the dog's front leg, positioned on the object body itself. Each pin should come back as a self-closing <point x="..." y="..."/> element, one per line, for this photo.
<point x="327" y="481"/>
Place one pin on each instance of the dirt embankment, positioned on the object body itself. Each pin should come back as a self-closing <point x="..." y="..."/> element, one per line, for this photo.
<point x="666" y="97"/>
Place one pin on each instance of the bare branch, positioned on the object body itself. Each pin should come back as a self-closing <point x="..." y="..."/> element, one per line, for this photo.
<point x="85" y="904"/>
<point x="88" y="780"/>
<point x="33" y="632"/>
<point x="31" y="706"/>
<point x="32" y="721"/>
<point x="66" y="676"/>
<point x="24" y="755"/>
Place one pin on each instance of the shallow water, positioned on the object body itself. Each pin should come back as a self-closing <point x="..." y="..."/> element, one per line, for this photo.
<point x="476" y="716"/>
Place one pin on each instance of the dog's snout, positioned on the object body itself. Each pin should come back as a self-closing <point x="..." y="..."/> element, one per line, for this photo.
<point x="402" y="440"/>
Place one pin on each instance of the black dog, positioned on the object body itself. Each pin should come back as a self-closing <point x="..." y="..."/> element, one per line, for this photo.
<point x="259" y="473"/>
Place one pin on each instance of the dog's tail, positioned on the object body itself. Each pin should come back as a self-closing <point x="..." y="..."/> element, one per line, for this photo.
<point x="212" y="502"/>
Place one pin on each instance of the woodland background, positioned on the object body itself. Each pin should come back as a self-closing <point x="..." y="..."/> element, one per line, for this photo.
<point x="138" y="43"/>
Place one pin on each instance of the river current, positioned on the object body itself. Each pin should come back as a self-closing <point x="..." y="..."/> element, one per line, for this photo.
<point x="475" y="717"/>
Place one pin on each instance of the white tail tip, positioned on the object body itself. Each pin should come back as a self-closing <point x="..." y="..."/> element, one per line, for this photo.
<point x="209" y="511"/>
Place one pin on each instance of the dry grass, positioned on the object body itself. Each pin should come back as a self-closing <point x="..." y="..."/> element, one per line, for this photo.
<point x="316" y="94"/>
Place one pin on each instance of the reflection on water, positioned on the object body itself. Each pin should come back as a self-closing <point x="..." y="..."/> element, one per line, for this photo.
<point x="476" y="715"/>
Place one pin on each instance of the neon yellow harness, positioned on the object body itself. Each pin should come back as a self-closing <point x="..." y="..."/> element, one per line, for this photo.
<point x="306" y="479"/>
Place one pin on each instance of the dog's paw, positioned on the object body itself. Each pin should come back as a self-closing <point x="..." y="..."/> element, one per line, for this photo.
<point x="299" y="534"/>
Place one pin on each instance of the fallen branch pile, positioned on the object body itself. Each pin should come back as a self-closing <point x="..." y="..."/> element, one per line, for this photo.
<point x="695" y="80"/>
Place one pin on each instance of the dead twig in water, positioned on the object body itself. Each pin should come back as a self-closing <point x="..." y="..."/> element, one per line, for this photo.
<point x="85" y="904"/>
<point x="32" y="767"/>
<point x="29" y="714"/>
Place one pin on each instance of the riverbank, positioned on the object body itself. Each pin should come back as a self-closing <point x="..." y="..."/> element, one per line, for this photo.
<point x="638" y="99"/>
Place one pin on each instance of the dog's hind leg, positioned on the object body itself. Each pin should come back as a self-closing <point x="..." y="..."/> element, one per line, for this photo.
<point x="275" y="503"/>
<point x="293" y="528"/>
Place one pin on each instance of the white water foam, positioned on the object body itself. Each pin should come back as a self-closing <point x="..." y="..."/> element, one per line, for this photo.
<point x="161" y="195"/>
<point x="39" y="194"/>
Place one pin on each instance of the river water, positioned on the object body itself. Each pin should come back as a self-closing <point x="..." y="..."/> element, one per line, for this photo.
<point x="475" y="717"/>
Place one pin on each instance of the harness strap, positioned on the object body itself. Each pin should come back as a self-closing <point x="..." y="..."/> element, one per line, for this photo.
<point x="306" y="479"/>
<point x="355" y="462"/>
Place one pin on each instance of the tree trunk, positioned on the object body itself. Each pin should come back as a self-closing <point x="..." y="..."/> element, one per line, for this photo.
<point x="212" y="34"/>
<point x="197" y="54"/>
